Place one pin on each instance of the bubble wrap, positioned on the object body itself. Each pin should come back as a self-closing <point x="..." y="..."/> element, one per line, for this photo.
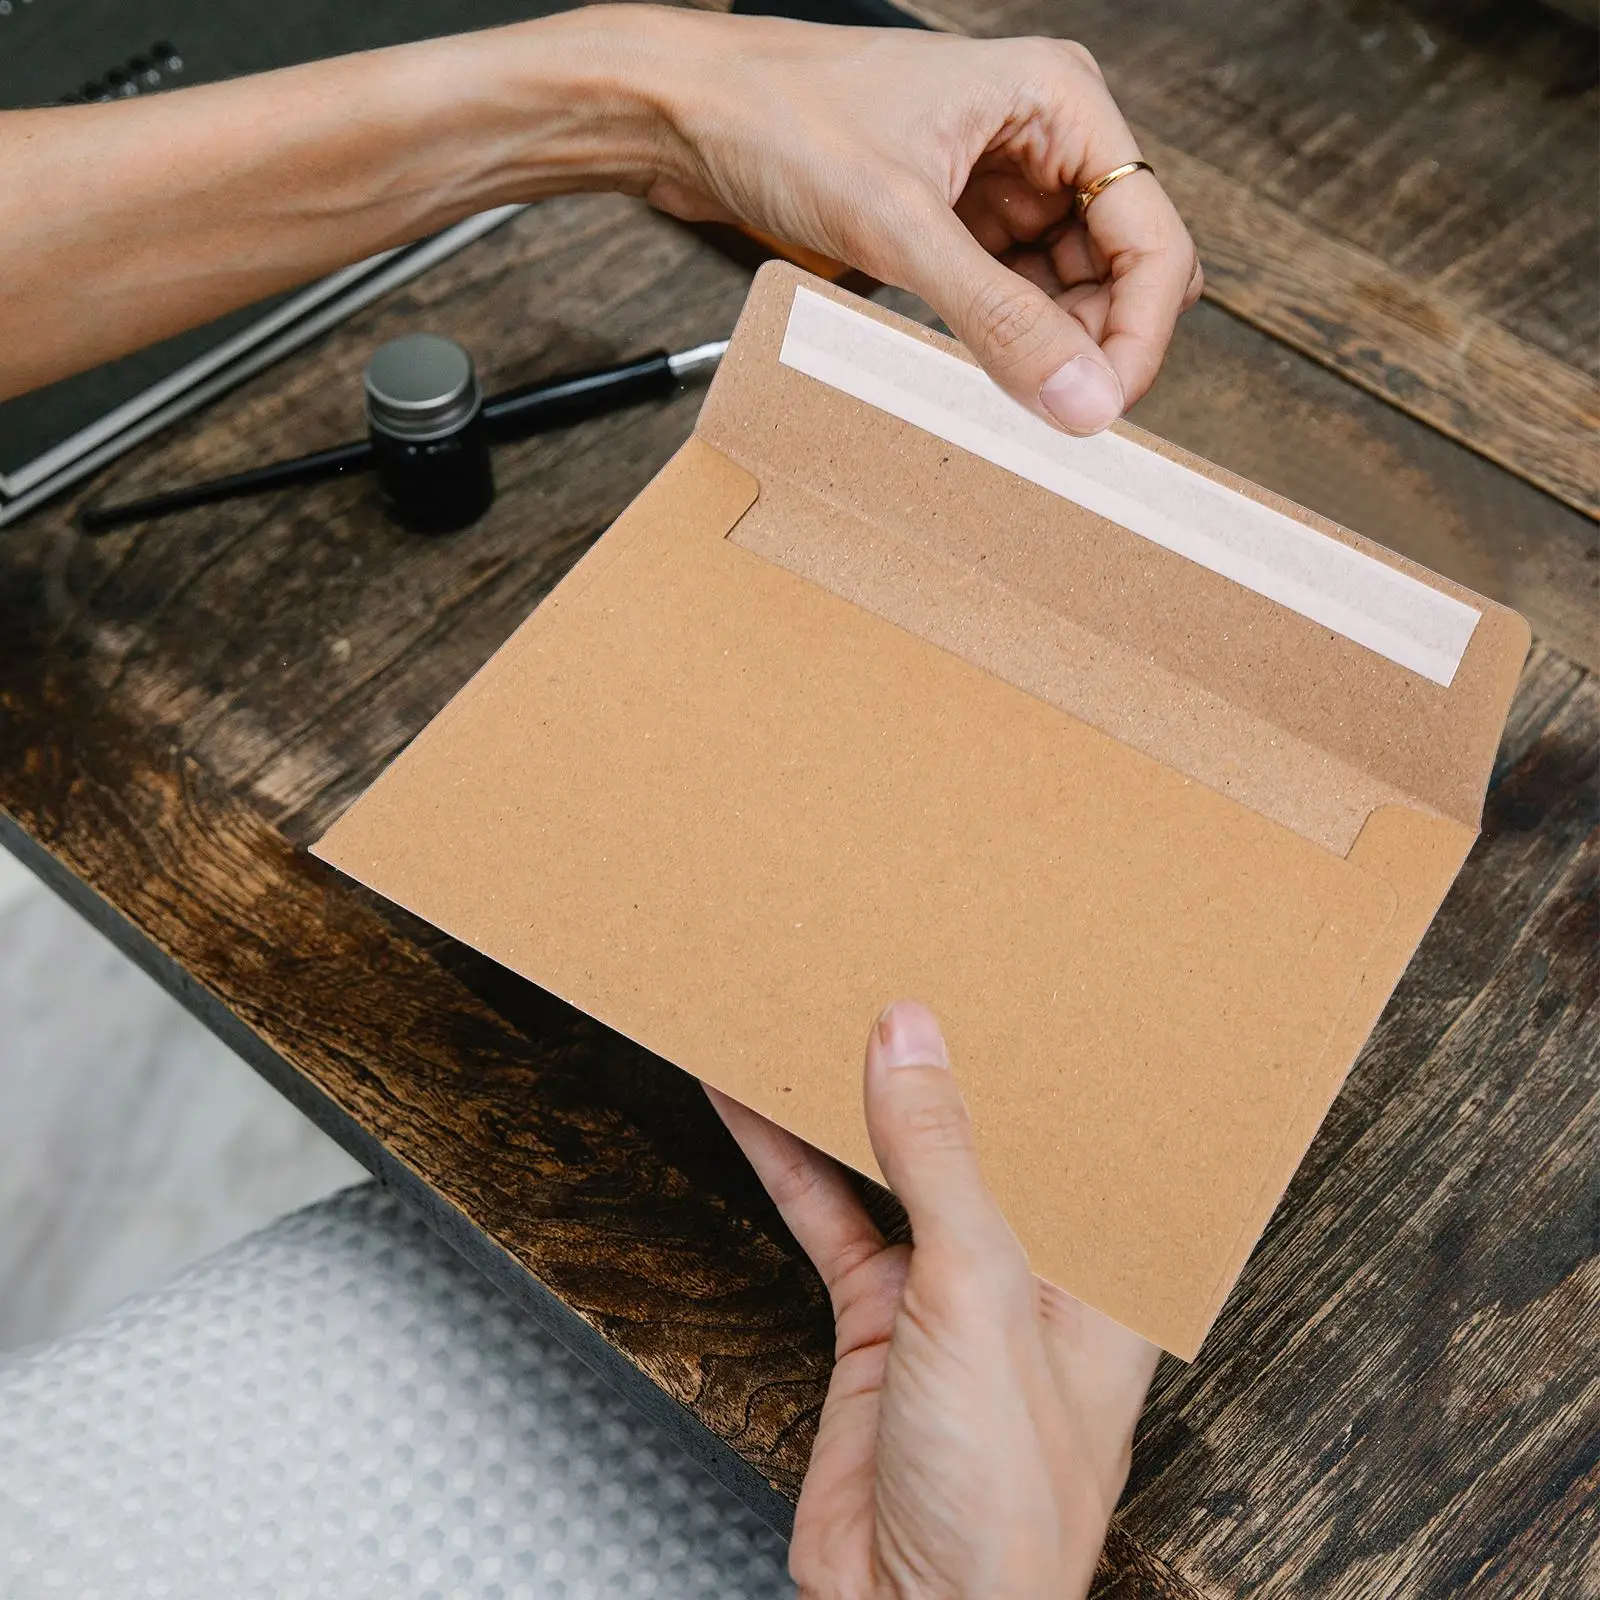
<point x="341" y="1407"/>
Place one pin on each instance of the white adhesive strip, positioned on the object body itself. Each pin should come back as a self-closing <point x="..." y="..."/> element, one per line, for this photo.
<point x="1341" y="588"/>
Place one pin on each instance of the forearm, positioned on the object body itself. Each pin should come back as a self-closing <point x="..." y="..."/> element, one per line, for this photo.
<point x="123" y="223"/>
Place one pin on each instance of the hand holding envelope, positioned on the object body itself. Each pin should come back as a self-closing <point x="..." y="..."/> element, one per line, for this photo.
<point x="979" y="1424"/>
<point x="1147" y="781"/>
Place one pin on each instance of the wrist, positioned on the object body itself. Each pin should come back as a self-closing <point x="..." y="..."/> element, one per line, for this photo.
<point x="583" y="100"/>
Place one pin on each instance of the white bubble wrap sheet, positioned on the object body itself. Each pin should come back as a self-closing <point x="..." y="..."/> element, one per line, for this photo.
<point x="340" y="1407"/>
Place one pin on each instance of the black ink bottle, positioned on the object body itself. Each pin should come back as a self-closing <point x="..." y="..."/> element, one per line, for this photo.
<point x="429" y="443"/>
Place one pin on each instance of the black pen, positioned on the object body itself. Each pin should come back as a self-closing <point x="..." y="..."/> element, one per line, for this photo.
<point x="517" y="414"/>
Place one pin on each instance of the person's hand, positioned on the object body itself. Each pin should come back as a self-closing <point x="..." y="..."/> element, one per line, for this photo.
<point x="977" y="1429"/>
<point x="948" y="167"/>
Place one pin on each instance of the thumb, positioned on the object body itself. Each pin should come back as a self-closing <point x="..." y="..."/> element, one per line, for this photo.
<point x="922" y="1135"/>
<point x="1038" y="353"/>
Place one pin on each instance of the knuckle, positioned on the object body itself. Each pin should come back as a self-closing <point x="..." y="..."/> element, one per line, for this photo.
<point x="942" y="1125"/>
<point x="883" y="212"/>
<point x="1009" y="322"/>
<point x="793" y="1180"/>
<point x="1080" y="55"/>
<point x="1052" y="54"/>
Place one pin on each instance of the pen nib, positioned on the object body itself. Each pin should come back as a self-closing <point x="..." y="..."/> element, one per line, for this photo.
<point x="703" y="358"/>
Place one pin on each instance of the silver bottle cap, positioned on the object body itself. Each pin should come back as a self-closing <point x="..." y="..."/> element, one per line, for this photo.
<point x="421" y="387"/>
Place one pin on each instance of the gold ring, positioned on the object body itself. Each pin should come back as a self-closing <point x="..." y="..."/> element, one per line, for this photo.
<point x="1091" y="192"/>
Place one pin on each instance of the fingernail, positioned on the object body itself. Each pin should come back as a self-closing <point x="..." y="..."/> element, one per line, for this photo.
<point x="909" y="1036"/>
<point x="1084" y="396"/>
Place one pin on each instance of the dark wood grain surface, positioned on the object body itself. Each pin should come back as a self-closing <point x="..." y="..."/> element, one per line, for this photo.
<point x="1400" y="1397"/>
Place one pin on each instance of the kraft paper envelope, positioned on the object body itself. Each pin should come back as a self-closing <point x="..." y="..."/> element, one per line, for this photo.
<point x="1148" y="781"/>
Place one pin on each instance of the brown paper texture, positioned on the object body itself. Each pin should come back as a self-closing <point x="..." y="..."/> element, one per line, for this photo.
<point x="836" y="713"/>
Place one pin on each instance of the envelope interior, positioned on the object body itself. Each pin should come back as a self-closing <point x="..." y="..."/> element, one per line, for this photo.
<point x="815" y="729"/>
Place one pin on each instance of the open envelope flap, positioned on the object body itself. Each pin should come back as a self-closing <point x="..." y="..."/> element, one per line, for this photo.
<point x="894" y="474"/>
<point x="729" y="790"/>
<point x="729" y="814"/>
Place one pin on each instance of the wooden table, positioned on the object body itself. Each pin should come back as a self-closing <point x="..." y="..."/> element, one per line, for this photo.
<point x="1401" y="1397"/>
